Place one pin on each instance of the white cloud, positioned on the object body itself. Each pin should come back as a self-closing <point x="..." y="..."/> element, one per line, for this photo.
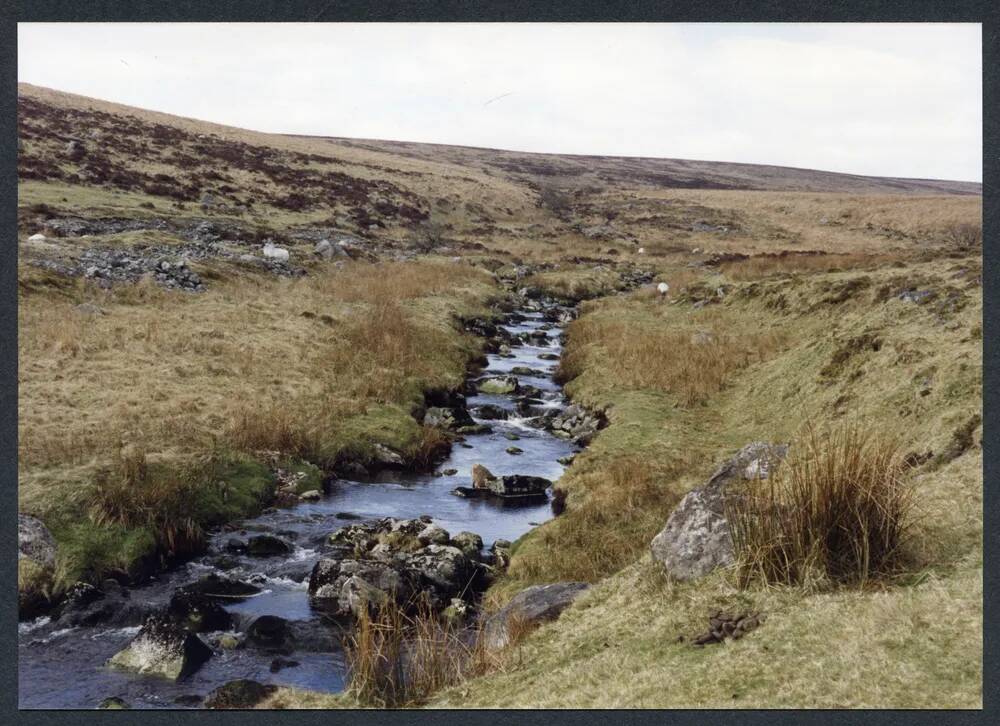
<point x="900" y="100"/>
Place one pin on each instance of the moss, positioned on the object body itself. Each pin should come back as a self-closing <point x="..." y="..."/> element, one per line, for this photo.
<point x="235" y="487"/>
<point x="308" y="475"/>
<point x="90" y="552"/>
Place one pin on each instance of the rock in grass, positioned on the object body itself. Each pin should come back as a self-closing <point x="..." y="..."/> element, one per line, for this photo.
<point x="242" y="693"/>
<point x="162" y="648"/>
<point x="529" y="608"/>
<point x="35" y="541"/>
<point x="696" y="537"/>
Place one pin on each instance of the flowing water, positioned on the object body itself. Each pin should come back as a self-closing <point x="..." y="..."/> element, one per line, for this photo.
<point x="64" y="668"/>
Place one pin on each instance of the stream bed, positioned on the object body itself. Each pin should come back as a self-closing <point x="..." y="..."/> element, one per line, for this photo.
<point x="65" y="667"/>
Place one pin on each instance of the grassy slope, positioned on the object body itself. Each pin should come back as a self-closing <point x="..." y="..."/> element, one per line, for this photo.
<point x="202" y="361"/>
<point x="913" y="642"/>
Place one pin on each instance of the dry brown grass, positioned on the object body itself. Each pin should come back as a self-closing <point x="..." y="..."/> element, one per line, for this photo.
<point x="397" y="659"/>
<point x="615" y="512"/>
<point x="760" y="266"/>
<point x="837" y="512"/>
<point x="273" y="364"/>
<point x="692" y="363"/>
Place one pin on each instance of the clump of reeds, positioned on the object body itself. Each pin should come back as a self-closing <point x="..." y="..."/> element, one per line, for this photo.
<point x="836" y="512"/>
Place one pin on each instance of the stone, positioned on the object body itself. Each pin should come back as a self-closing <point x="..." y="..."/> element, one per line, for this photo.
<point x="696" y="537"/>
<point x="490" y="412"/>
<point x="269" y="632"/>
<point x="221" y="588"/>
<point x="514" y="450"/>
<point x="113" y="703"/>
<point x="281" y="663"/>
<point x="387" y="457"/>
<point x="266" y="545"/>
<point x="519" y="485"/>
<point x="433" y="534"/>
<point x="498" y="385"/>
<point x="162" y="648"/>
<point x="530" y="607"/>
<point x="450" y="418"/>
<point x="313" y="495"/>
<point x="111" y="604"/>
<point x="469" y="542"/>
<point x="239" y="694"/>
<point x="198" y="613"/>
<point x="35" y="541"/>
<point x="481" y="477"/>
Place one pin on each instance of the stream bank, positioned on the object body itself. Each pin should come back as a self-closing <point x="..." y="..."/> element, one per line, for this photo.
<point x="272" y="630"/>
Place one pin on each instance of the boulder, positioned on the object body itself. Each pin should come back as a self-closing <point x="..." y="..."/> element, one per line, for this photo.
<point x="221" y="588"/>
<point x="470" y="543"/>
<point x="238" y="694"/>
<point x="266" y="545"/>
<point x="519" y="485"/>
<point x="198" y="613"/>
<point x="696" y="538"/>
<point x="433" y="534"/>
<point x="35" y="541"/>
<point x="387" y="457"/>
<point x="163" y="648"/>
<point x="498" y="385"/>
<point x="481" y="477"/>
<point x="270" y="632"/>
<point x="110" y="604"/>
<point x="529" y="608"/>
<point x="490" y="412"/>
<point x="449" y="418"/>
<point x="328" y="250"/>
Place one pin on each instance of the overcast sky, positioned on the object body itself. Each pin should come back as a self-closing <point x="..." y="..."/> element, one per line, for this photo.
<point x="893" y="100"/>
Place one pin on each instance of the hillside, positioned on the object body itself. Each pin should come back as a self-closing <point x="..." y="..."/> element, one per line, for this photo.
<point x="800" y="302"/>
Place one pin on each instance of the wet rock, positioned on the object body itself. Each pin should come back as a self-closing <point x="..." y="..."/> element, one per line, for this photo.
<point x="387" y="457"/>
<point x="526" y="371"/>
<point x="519" y="485"/>
<point x="449" y="418"/>
<point x="449" y="472"/>
<point x="490" y="412"/>
<point x="514" y="450"/>
<point x="189" y="700"/>
<point x="347" y="515"/>
<point x="239" y="694"/>
<point x="498" y="385"/>
<point x="164" y="649"/>
<point x="696" y="537"/>
<point x="279" y="664"/>
<point x="511" y="436"/>
<point x="34" y="541"/>
<point x="481" y="477"/>
<point x="473" y="430"/>
<point x="198" y="613"/>
<point x="313" y="495"/>
<point x="111" y="604"/>
<point x="548" y="356"/>
<point x="566" y="460"/>
<point x="269" y="632"/>
<point x="221" y="588"/>
<point x="266" y="545"/>
<point x="113" y="703"/>
<point x="235" y="544"/>
<point x="529" y="608"/>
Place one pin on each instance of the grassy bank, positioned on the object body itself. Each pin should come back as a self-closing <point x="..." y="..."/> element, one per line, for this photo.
<point x="148" y="415"/>
<point x="684" y="387"/>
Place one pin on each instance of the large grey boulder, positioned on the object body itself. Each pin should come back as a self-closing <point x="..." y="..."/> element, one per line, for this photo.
<point x="530" y="607"/>
<point x="696" y="538"/>
<point x="34" y="541"/>
<point x="163" y="648"/>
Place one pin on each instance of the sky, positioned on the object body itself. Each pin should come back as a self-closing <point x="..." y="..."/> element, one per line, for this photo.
<point x="877" y="99"/>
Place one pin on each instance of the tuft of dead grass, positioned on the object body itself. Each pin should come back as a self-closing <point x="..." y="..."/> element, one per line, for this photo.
<point x="837" y="511"/>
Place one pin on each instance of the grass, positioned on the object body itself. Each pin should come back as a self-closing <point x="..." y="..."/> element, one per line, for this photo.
<point x="837" y="512"/>
<point x="910" y="637"/>
<point x="237" y="369"/>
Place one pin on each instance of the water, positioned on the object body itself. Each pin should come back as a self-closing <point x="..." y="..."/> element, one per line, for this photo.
<point x="64" y="668"/>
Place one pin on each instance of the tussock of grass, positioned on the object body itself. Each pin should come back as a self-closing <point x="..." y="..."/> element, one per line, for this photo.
<point x="836" y="512"/>
<point x="398" y="659"/>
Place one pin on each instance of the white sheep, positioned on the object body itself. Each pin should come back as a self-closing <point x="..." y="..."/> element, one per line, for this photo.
<point x="663" y="288"/>
<point x="275" y="253"/>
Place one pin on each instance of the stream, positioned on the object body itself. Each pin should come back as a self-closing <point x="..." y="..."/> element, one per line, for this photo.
<point x="61" y="667"/>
